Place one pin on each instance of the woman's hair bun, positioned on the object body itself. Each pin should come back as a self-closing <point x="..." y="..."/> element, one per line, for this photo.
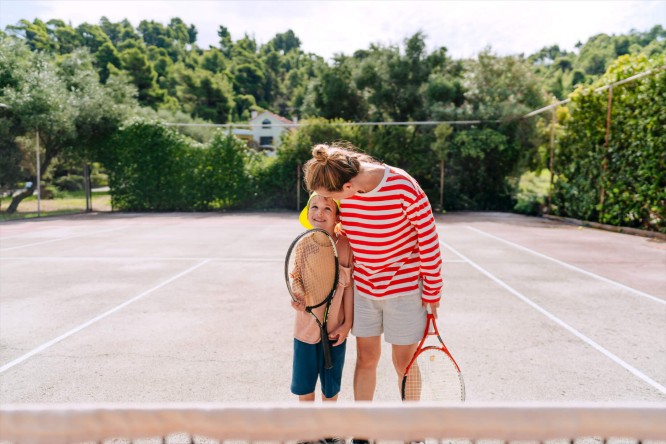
<point x="320" y="153"/>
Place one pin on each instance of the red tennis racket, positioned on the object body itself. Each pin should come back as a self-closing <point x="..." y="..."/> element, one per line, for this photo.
<point x="432" y="374"/>
<point x="311" y="273"/>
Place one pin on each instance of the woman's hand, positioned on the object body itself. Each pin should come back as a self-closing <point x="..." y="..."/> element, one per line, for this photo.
<point x="433" y="307"/>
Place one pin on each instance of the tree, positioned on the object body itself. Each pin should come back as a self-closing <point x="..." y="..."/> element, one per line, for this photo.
<point x="35" y="34"/>
<point x="226" y="44"/>
<point x="105" y="56"/>
<point x="393" y="82"/>
<point x="143" y="75"/>
<point x="154" y="34"/>
<point x="333" y="94"/>
<point x="65" y="104"/>
<point x="622" y="181"/>
<point x="440" y="146"/>
<point x="66" y="37"/>
<point x="11" y="171"/>
<point x="92" y="36"/>
<point x="285" y="42"/>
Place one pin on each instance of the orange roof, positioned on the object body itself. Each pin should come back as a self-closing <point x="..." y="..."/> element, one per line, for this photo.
<point x="280" y="118"/>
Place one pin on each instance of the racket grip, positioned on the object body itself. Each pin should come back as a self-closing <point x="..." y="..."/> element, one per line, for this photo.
<point x="326" y="345"/>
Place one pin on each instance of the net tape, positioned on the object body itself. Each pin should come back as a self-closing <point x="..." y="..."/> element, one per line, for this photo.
<point x="47" y="424"/>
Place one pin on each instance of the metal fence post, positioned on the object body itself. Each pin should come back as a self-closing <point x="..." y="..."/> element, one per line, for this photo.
<point x="604" y="164"/>
<point x="553" y="121"/>
<point x="39" y="175"/>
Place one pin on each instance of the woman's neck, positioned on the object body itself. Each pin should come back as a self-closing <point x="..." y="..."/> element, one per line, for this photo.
<point x="370" y="175"/>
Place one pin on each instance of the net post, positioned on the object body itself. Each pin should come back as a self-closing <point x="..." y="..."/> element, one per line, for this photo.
<point x="39" y="175"/>
<point x="87" y="186"/>
<point x="298" y="186"/>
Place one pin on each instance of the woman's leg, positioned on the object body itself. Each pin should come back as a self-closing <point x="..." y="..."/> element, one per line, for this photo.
<point x="402" y="354"/>
<point x="368" y="351"/>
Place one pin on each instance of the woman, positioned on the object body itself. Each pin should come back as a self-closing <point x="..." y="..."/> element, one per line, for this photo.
<point x="397" y="262"/>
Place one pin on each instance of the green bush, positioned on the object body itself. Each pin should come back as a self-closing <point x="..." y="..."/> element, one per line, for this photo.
<point x="98" y="180"/>
<point x="634" y="183"/>
<point x="48" y="192"/>
<point x="71" y="182"/>
<point x="154" y="168"/>
<point x="532" y="192"/>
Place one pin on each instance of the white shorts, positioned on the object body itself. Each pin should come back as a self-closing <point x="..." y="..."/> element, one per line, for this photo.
<point x="401" y="319"/>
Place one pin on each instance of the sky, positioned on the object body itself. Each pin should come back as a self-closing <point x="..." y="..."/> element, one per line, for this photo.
<point x="327" y="27"/>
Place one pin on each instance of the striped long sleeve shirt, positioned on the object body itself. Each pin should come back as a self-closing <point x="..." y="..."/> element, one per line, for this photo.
<point x="393" y="235"/>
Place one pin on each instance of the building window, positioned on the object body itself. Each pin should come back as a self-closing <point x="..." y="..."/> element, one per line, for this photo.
<point x="265" y="141"/>
<point x="266" y="123"/>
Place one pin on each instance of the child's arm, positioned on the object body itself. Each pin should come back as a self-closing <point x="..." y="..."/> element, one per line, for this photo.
<point x="298" y="305"/>
<point x="340" y="334"/>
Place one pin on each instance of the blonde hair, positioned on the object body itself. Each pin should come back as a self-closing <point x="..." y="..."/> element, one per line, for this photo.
<point x="333" y="165"/>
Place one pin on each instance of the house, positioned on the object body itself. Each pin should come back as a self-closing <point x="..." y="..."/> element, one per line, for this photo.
<point x="266" y="128"/>
<point x="244" y="134"/>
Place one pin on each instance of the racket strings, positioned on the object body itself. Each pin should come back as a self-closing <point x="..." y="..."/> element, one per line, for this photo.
<point x="312" y="268"/>
<point x="433" y="377"/>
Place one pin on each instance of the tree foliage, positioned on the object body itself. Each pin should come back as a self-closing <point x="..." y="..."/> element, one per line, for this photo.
<point x="77" y="85"/>
<point x="633" y="183"/>
<point x="154" y="168"/>
<point x="63" y="103"/>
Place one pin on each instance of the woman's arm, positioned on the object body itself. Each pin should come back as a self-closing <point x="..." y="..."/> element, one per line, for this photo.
<point x="419" y="213"/>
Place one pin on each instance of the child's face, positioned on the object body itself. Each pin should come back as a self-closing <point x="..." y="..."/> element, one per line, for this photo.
<point x="323" y="213"/>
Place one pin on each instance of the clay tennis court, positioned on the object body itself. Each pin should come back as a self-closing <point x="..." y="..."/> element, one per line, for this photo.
<point x="193" y="307"/>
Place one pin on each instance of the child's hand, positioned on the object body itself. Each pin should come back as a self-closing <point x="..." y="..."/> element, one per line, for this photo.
<point x="339" y="335"/>
<point x="298" y="305"/>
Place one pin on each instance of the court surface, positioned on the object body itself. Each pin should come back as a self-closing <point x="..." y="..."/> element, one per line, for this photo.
<point x="193" y="307"/>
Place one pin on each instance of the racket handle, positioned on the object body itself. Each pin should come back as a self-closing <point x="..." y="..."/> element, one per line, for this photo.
<point x="326" y="345"/>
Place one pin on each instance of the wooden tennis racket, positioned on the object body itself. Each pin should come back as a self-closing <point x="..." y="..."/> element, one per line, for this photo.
<point x="311" y="273"/>
<point x="432" y="374"/>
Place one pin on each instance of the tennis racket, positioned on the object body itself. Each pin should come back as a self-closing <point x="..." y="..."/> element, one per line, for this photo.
<point x="432" y="374"/>
<point x="311" y="273"/>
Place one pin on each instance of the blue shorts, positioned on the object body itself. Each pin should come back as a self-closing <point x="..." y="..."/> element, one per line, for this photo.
<point x="309" y="364"/>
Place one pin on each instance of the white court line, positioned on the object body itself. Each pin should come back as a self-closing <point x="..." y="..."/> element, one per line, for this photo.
<point x="42" y="230"/>
<point x="130" y="258"/>
<point x="141" y="258"/>
<point x="61" y="239"/>
<point x="95" y="319"/>
<point x="571" y="267"/>
<point x="561" y="323"/>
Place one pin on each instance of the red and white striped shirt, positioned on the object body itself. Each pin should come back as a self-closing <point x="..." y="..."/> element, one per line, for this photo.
<point x="393" y="235"/>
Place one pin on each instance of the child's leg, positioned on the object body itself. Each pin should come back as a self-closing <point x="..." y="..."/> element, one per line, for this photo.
<point x="305" y="370"/>
<point x="331" y="379"/>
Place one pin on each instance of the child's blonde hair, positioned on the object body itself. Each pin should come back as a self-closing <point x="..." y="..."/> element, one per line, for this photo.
<point x="333" y="165"/>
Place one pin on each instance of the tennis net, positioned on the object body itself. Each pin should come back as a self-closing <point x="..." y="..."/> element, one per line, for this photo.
<point x="380" y="422"/>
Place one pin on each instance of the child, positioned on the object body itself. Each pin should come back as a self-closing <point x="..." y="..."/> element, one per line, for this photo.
<point x="324" y="213"/>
